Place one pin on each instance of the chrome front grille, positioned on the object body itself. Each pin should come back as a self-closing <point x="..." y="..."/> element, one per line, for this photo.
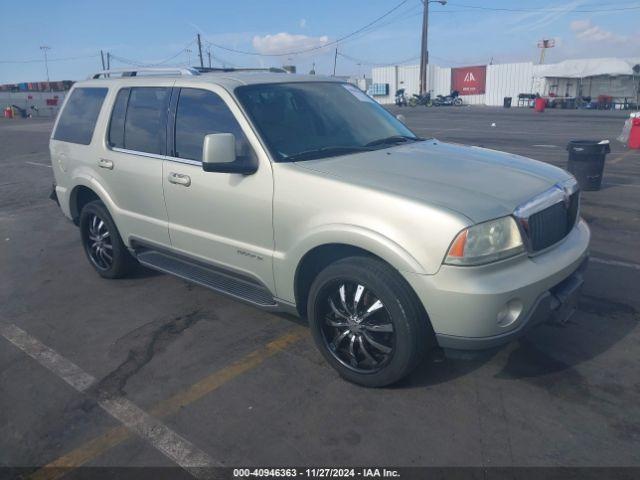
<point x="550" y="216"/>
<point x="552" y="224"/>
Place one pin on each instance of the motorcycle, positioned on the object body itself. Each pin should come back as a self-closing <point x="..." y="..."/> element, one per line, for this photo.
<point x="445" y="101"/>
<point x="401" y="99"/>
<point x="418" y="99"/>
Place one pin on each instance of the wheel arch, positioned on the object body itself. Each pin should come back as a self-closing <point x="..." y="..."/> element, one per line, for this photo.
<point x="85" y="191"/>
<point x="322" y="255"/>
<point x="79" y="197"/>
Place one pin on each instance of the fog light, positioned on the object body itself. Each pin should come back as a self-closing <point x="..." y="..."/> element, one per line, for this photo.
<point x="509" y="313"/>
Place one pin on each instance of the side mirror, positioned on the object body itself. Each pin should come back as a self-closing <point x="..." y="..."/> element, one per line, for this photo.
<point x="219" y="155"/>
<point x="402" y="118"/>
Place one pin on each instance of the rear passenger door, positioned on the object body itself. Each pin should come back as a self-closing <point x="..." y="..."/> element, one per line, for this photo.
<point x="221" y="218"/>
<point x="132" y="164"/>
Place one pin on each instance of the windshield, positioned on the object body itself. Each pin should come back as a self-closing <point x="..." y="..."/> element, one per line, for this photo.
<point x="307" y="120"/>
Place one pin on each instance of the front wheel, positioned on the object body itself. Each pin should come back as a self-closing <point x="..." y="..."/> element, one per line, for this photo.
<point x="457" y="102"/>
<point x="366" y="321"/>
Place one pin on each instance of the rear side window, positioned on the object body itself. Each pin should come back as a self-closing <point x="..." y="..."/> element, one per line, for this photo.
<point x="116" y="125"/>
<point x="145" y="121"/>
<point x="199" y="113"/>
<point x="78" y="119"/>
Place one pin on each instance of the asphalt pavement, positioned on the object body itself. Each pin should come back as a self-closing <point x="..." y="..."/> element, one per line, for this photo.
<point x="233" y="385"/>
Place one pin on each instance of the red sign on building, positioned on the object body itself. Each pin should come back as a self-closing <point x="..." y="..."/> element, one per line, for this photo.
<point x="469" y="80"/>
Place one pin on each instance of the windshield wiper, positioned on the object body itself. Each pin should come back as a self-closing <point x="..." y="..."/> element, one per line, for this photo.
<point x="326" y="152"/>
<point x="393" y="140"/>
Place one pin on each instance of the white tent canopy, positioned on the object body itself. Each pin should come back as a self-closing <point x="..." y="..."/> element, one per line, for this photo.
<point x="591" y="67"/>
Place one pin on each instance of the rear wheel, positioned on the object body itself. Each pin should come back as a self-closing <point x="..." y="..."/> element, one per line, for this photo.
<point x="102" y="243"/>
<point x="366" y="322"/>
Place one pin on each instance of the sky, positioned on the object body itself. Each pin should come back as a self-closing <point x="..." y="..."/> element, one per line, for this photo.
<point x="270" y="32"/>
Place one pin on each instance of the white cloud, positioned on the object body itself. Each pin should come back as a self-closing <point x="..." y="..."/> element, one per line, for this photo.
<point x="303" y="22"/>
<point x="282" y="43"/>
<point x="587" y="31"/>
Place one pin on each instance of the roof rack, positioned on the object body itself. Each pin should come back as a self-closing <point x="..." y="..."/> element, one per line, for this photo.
<point x="240" y="69"/>
<point x="133" y="72"/>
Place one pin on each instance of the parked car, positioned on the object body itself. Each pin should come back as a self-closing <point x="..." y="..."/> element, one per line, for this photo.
<point x="302" y="194"/>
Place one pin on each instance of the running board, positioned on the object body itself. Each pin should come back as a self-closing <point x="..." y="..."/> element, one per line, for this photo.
<point x="206" y="276"/>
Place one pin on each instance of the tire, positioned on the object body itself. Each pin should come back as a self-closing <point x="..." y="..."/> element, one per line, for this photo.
<point x="457" y="102"/>
<point x="102" y="243"/>
<point x="368" y="344"/>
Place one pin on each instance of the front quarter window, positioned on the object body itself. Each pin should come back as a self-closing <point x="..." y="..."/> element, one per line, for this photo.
<point x="306" y="120"/>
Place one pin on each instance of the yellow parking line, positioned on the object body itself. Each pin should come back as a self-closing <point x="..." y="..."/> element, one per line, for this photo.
<point x="621" y="157"/>
<point x="99" y="445"/>
<point x="90" y="450"/>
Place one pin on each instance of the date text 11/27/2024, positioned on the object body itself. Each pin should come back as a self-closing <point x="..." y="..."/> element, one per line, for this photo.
<point x="316" y="473"/>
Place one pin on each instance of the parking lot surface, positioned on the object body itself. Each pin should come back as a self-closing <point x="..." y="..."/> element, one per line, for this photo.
<point x="240" y="387"/>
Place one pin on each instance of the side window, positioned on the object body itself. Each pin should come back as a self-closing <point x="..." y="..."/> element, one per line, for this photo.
<point x="78" y="119"/>
<point x="199" y="113"/>
<point x="116" y="125"/>
<point x="145" y="119"/>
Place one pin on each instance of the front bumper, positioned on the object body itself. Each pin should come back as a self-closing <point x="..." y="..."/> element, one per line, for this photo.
<point x="465" y="304"/>
<point x="555" y="305"/>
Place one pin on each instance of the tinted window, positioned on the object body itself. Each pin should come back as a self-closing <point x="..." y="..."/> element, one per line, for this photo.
<point x="116" y="125"/>
<point x="144" y="124"/>
<point x="316" y="119"/>
<point x="78" y="119"/>
<point x="199" y="113"/>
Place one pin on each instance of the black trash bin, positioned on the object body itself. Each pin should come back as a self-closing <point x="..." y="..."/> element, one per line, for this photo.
<point x="506" y="102"/>
<point x="586" y="162"/>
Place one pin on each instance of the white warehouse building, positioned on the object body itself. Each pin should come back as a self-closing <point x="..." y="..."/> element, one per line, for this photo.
<point x="490" y="84"/>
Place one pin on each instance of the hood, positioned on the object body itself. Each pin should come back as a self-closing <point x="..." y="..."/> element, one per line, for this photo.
<point x="477" y="182"/>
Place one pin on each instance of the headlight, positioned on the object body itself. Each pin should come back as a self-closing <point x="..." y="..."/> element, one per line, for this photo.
<point x="486" y="242"/>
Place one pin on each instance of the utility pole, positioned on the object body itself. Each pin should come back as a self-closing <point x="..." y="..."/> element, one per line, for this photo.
<point x="44" y="49"/>
<point x="102" y="58"/>
<point x="424" y="51"/>
<point x="636" y="73"/>
<point x="335" y="60"/>
<point x="209" y="55"/>
<point x="108" y="61"/>
<point x="188" y="50"/>
<point x="200" y="51"/>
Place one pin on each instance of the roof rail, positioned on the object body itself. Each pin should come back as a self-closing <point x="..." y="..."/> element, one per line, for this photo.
<point x="240" y="69"/>
<point x="133" y="72"/>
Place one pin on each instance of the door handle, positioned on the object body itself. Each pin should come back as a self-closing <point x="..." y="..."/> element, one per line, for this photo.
<point x="104" y="163"/>
<point x="179" y="179"/>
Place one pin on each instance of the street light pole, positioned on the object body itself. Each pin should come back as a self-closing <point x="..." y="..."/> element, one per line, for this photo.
<point x="44" y="49"/>
<point x="424" y="51"/>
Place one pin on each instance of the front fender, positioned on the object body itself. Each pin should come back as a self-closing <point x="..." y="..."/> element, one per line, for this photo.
<point x="286" y="263"/>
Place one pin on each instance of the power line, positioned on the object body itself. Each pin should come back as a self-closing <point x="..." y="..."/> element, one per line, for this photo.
<point x="543" y="10"/>
<point x="312" y="49"/>
<point x="138" y="63"/>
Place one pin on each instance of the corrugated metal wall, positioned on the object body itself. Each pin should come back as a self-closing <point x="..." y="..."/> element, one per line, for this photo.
<point x="506" y="80"/>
